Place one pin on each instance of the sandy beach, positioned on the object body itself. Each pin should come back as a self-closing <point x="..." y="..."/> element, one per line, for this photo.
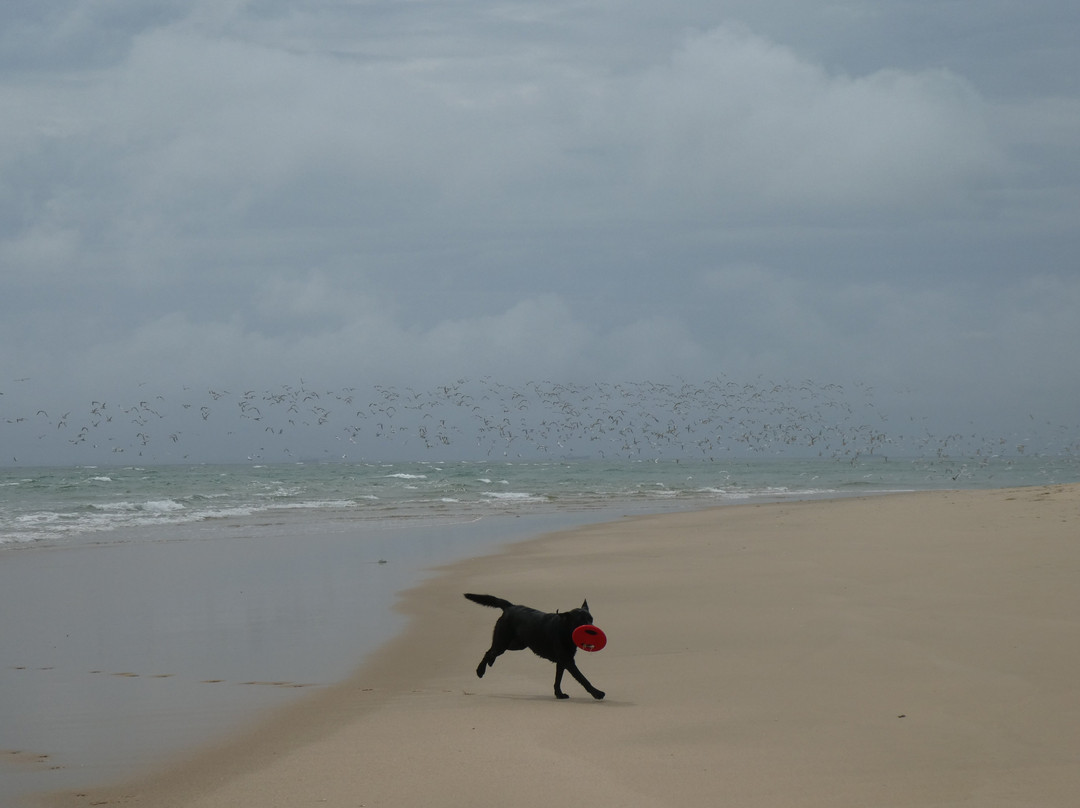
<point x="904" y="650"/>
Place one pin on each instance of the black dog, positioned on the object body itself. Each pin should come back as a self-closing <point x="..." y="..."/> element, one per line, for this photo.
<point x="545" y="634"/>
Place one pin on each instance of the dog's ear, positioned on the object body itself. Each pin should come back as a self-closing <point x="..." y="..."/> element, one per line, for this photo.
<point x="585" y="604"/>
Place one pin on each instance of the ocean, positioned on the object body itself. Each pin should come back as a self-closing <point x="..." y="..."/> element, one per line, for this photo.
<point x="151" y="608"/>
<point x="93" y="504"/>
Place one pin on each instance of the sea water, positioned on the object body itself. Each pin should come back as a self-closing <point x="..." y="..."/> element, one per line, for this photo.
<point x="89" y="504"/>
<point x="147" y="609"/>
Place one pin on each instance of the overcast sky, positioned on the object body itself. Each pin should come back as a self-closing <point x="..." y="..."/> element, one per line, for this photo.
<point x="226" y="193"/>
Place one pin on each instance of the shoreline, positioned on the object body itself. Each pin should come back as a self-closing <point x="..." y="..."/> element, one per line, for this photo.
<point x="886" y="650"/>
<point x="128" y="654"/>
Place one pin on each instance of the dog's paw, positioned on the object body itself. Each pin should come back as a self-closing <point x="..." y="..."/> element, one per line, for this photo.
<point x="598" y="694"/>
<point x="561" y="696"/>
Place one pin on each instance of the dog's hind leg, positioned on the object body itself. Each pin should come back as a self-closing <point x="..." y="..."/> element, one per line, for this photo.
<point x="488" y="660"/>
<point x="501" y="641"/>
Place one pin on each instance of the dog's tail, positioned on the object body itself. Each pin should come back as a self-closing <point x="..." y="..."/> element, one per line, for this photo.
<point x="489" y="600"/>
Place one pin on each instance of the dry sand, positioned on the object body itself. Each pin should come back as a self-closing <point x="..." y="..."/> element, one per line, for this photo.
<point x="905" y="650"/>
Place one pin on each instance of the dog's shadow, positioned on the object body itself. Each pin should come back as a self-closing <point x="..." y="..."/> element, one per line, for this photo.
<point x="538" y="698"/>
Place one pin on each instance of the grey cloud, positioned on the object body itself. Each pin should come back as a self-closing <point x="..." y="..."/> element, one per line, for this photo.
<point x="410" y="191"/>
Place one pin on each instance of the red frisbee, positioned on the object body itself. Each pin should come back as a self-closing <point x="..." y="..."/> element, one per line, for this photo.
<point x="589" y="638"/>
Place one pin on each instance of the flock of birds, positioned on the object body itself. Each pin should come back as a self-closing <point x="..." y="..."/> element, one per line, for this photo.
<point x="486" y="418"/>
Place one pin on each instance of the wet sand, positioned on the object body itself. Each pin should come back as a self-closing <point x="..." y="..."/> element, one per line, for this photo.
<point x="133" y="647"/>
<point x="900" y="650"/>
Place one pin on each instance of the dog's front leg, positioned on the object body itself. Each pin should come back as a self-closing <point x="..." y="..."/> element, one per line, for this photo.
<point x="585" y="683"/>
<point x="559" y="668"/>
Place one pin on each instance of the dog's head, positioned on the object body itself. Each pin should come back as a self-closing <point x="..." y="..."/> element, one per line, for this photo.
<point x="579" y="616"/>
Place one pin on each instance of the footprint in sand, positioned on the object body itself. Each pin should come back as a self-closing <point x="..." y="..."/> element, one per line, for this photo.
<point x="29" y="760"/>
